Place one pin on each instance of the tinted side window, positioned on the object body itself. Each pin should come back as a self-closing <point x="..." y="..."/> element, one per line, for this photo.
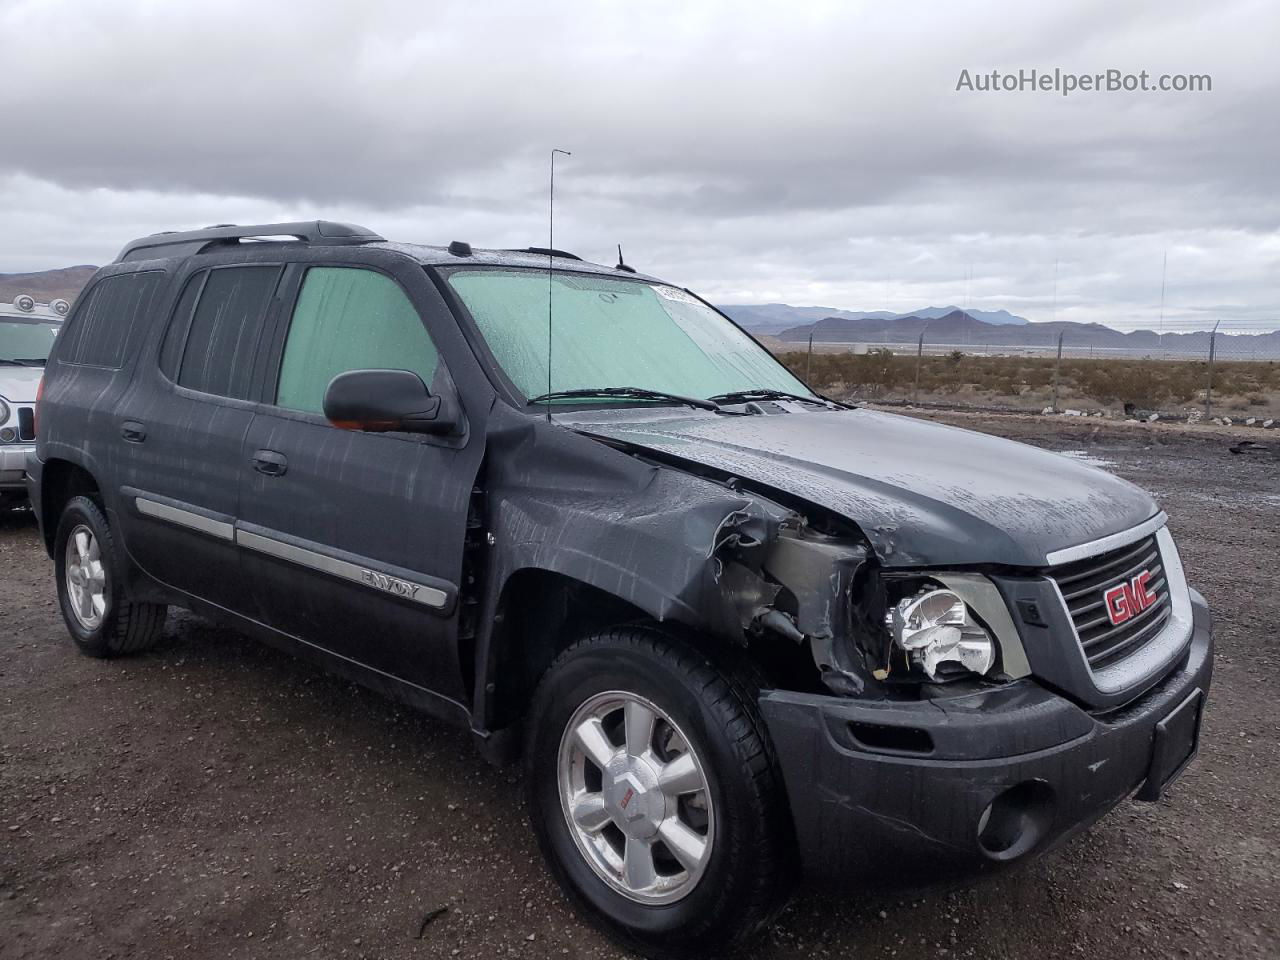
<point x="108" y="323"/>
<point x="349" y="319"/>
<point x="222" y="344"/>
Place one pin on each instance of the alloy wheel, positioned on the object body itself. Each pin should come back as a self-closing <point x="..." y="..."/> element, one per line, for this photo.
<point x="635" y="796"/>
<point x="86" y="578"/>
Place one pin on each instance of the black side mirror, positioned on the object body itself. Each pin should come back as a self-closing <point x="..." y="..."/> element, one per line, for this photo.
<point x="383" y="400"/>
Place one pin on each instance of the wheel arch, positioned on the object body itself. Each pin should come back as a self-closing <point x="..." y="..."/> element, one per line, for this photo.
<point x="538" y="614"/>
<point x="60" y="480"/>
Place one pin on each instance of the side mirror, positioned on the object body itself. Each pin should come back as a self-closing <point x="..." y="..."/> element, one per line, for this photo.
<point x="383" y="400"/>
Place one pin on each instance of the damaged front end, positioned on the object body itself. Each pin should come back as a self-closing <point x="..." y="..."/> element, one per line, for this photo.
<point x="800" y="586"/>
<point x="860" y="623"/>
<point x="803" y="586"/>
<point x="908" y="722"/>
<point x="777" y="568"/>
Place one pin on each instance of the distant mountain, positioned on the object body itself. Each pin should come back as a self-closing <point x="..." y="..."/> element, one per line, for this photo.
<point x="772" y="317"/>
<point x="953" y="325"/>
<point x="962" y="329"/>
<point x="999" y="318"/>
<point x="65" y="283"/>
<point x="776" y="317"/>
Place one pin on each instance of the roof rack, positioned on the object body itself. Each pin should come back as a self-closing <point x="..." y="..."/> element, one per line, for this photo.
<point x="547" y="252"/>
<point x="187" y="243"/>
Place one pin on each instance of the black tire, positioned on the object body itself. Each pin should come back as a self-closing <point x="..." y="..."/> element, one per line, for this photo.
<point x="749" y="870"/>
<point x="126" y="626"/>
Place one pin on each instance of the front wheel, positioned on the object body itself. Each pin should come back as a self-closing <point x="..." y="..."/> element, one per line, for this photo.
<point x="654" y="793"/>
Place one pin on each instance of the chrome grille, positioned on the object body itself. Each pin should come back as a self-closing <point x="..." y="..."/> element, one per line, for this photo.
<point x="1084" y="584"/>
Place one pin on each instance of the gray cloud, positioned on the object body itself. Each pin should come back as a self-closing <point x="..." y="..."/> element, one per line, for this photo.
<point x="812" y="153"/>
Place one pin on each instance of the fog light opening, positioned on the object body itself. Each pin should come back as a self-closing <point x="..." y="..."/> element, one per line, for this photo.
<point x="890" y="739"/>
<point x="1015" y="821"/>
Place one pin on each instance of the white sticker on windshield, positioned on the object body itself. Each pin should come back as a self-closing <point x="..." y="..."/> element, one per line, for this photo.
<point x="673" y="293"/>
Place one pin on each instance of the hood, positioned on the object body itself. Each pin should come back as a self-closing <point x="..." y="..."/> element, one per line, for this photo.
<point x="922" y="493"/>
<point x="19" y="384"/>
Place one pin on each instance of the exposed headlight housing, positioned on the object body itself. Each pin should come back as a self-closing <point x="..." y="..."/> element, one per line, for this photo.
<point x="935" y="628"/>
<point x="4" y="411"/>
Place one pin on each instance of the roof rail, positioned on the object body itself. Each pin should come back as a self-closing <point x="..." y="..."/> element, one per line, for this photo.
<point x="548" y="252"/>
<point x="187" y="243"/>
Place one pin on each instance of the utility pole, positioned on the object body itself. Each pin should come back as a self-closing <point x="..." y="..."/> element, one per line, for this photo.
<point x="1057" y="366"/>
<point x="1208" y="388"/>
<point x="915" y="392"/>
<point x="808" y="367"/>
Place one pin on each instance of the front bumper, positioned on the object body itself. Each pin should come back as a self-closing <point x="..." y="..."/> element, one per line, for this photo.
<point x="899" y="793"/>
<point x="13" y="464"/>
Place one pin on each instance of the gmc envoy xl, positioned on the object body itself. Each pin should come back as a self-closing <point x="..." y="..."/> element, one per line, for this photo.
<point x="738" y="633"/>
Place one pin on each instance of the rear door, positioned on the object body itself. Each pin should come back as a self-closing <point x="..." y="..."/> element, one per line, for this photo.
<point x="353" y="541"/>
<point x="90" y="371"/>
<point x="182" y="428"/>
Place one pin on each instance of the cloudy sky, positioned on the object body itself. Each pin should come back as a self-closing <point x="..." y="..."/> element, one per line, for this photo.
<point x="812" y="153"/>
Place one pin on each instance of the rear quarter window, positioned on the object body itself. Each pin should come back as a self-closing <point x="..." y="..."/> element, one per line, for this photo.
<point x="221" y="346"/>
<point x="175" y="337"/>
<point x="109" y="321"/>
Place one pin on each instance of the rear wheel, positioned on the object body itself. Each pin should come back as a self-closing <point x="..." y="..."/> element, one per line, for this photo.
<point x="654" y="793"/>
<point x="101" y="619"/>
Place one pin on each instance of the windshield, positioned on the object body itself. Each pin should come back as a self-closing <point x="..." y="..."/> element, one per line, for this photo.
<point x="24" y="340"/>
<point x="612" y="333"/>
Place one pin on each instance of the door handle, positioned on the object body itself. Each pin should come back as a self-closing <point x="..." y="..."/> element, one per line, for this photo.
<point x="133" y="431"/>
<point x="269" y="462"/>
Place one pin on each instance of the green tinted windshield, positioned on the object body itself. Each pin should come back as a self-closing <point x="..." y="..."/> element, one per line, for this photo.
<point x="612" y="333"/>
<point x="23" y="339"/>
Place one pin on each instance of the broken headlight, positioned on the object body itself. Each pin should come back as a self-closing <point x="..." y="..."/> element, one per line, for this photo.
<point x="939" y="634"/>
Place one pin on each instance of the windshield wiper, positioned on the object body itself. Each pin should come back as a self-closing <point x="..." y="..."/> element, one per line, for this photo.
<point x="764" y="393"/>
<point x="30" y="361"/>
<point x="637" y="393"/>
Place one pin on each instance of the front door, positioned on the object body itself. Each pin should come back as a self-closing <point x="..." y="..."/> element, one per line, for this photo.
<point x="353" y="541"/>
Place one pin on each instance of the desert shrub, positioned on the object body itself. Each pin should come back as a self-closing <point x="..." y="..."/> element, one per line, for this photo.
<point x="1144" y="383"/>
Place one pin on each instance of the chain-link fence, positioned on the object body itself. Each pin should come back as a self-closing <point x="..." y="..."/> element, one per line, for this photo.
<point x="1201" y="377"/>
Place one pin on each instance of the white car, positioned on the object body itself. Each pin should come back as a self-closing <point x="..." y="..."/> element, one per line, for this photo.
<point x="27" y="333"/>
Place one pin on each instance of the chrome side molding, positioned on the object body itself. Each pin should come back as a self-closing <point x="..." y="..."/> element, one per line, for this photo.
<point x="313" y="560"/>
<point x="185" y="518"/>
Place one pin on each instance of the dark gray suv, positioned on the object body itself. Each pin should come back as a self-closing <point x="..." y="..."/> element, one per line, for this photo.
<point x="738" y="632"/>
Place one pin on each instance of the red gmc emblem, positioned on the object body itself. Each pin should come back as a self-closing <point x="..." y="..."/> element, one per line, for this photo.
<point x="1126" y="600"/>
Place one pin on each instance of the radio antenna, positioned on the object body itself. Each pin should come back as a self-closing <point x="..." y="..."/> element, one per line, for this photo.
<point x="551" y="263"/>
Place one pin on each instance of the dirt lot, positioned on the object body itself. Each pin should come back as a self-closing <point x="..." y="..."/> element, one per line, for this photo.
<point x="218" y="799"/>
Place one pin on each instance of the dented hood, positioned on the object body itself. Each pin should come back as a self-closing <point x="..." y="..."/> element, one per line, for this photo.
<point x="923" y="493"/>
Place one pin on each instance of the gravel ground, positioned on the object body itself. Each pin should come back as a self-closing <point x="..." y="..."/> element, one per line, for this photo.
<point x="219" y="799"/>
